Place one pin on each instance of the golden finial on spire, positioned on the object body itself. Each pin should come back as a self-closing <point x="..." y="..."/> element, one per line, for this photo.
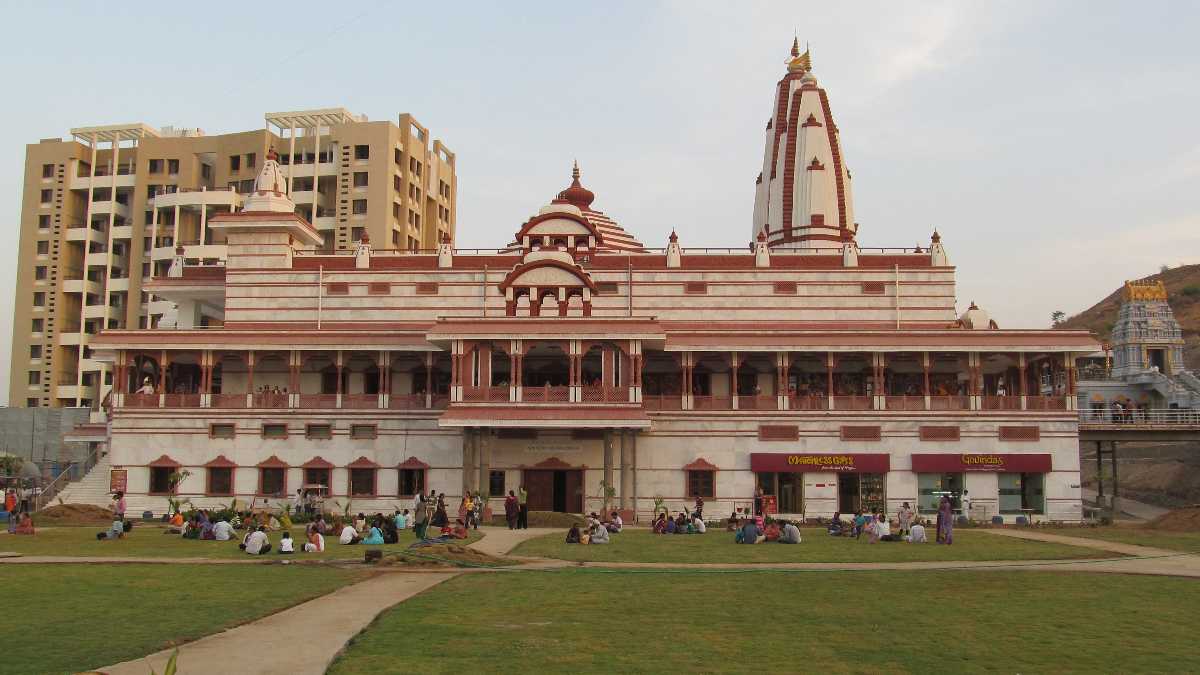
<point x="799" y="63"/>
<point x="796" y="47"/>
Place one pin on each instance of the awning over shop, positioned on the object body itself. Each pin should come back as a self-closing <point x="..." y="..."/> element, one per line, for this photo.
<point x="958" y="462"/>
<point x="795" y="462"/>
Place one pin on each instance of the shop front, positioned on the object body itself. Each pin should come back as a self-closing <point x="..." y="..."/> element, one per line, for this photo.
<point x="820" y="482"/>
<point x="1018" y="487"/>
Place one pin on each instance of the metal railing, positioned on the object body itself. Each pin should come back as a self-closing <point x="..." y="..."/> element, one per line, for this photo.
<point x="1133" y="418"/>
<point x="73" y="472"/>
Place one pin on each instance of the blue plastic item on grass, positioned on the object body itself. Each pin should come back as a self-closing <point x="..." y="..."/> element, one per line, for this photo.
<point x="1022" y="520"/>
<point x="997" y="520"/>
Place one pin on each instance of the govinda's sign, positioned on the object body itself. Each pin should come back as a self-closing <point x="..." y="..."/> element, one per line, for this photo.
<point x="795" y="462"/>
<point x="1002" y="462"/>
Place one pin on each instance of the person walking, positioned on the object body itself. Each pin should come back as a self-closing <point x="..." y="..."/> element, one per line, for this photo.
<point x="478" y="509"/>
<point x="440" y="517"/>
<point x="118" y="506"/>
<point x="946" y="521"/>
<point x="522" y="508"/>
<point x="904" y="517"/>
<point x="420" y="516"/>
<point x="512" y="511"/>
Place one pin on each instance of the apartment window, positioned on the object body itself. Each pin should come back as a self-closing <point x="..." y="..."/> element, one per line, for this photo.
<point x="43" y="247"/>
<point x="399" y="158"/>
<point x="318" y="431"/>
<point x="302" y="184"/>
<point x="337" y="288"/>
<point x="47" y="171"/>
<point x="160" y="480"/>
<point x="417" y="221"/>
<point x="35" y="351"/>
<point x="47" y="196"/>
<point x="700" y="483"/>
<point x="206" y="171"/>
<point x="39" y="272"/>
<point x="496" y="483"/>
<point x="235" y="162"/>
<point x="356" y="234"/>
<point x="412" y="481"/>
<point x="362" y="152"/>
<point x="362" y="482"/>
<point x="360" y="206"/>
<point x="395" y="211"/>
<point x="145" y="271"/>
<point x="251" y="159"/>
<point x="31" y="403"/>
<point x="360" y="179"/>
<point x="155" y="166"/>
<point x="396" y="184"/>
<point x="173" y="166"/>
<point x="274" y="431"/>
<point x="220" y="480"/>
<point x="38" y="325"/>
<point x="44" y="222"/>
<point x="271" y="481"/>
<point x="395" y="239"/>
<point x="39" y="299"/>
<point x="221" y="430"/>
<point x="35" y="377"/>
<point x="363" y="431"/>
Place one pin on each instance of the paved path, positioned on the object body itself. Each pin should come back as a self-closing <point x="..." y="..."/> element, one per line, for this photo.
<point x="298" y="641"/>
<point x="499" y="541"/>
<point x="1129" y="507"/>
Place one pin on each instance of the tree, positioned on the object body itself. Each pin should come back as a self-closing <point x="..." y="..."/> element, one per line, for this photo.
<point x="1057" y="317"/>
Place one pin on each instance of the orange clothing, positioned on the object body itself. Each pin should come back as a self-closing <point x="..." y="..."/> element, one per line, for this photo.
<point x="25" y="525"/>
<point x="10" y="501"/>
<point x="177" y="519"/>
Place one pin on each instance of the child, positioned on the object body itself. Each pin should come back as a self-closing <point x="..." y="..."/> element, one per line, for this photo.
<point x="285" y="544"/>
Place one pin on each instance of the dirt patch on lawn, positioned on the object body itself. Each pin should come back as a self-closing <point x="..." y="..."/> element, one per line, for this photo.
<point x="440" y="555"/>
<point x="73" y="514"/>
<point x="1179" y="520"/>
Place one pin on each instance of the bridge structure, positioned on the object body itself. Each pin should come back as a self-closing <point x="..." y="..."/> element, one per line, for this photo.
<point x="1109" y="428"/>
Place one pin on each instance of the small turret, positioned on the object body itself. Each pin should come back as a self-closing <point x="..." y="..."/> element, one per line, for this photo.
<point x="362" y="252"/>
<point x="937" y="253"/>
<point x="849" y="253"/>
<point x="445" y="252"/>
<point x="762" y="255"/>
<point x="674" y="255"/>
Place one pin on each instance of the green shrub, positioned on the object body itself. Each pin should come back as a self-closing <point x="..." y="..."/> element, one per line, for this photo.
<point x="1191" y="291"/>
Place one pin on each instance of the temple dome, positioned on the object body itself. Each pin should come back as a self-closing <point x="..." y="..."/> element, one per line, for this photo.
<point x="270" y="189"/>
<point x="576" y="194"/>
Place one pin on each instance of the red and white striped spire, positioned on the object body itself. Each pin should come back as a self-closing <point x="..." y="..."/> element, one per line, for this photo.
<point x="803" y="197"/>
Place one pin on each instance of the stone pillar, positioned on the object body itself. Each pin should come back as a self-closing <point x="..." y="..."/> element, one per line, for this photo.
<point x="633" y="462"/>
<point x="468" y="460"/>
<point x="608" y="464"/>
<point x="626" y="469"/>
<point x="733" y="380"/>
<point x="483" y="450"/>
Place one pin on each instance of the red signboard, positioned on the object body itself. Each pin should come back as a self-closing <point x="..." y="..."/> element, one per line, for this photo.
<point x="794" y="462"/>
<point x="956" y="462"/>
<point x="118" y="480"/>
<point x="770" y="505"/>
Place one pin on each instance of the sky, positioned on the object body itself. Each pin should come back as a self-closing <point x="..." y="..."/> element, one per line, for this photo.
<point x="1052" y="144"/>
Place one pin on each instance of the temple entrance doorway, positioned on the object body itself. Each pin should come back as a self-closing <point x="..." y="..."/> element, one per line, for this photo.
<point x="558" y="490"/>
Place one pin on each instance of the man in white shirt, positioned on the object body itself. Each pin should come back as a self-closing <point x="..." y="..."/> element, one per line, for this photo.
<point x="222" y="531"/>
<point x="698" y="524"/>
<point x="257" y="543"/>
<point x="916" y="534"/>
<point x="599" y="534"/>
<point x="882" y="529"/>
<point x="616" y="524"/>
<point x="349" y="535"/>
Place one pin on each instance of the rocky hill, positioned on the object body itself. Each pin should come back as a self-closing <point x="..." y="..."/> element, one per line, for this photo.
<point x="1183" y="292"/>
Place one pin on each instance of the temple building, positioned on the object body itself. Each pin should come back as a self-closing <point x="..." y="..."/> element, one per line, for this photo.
<point x="595" y="369"/>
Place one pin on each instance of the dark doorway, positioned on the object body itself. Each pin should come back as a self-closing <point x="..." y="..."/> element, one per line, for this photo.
<point x="555" y="490"/>
<point x="1158" y="359"/>
<point x="848" y="501"/>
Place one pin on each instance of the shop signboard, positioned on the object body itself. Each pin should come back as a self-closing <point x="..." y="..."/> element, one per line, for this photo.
<point x="967" y="461"/>
<point x="798" y="462"/>
<point x="118" y="480"/>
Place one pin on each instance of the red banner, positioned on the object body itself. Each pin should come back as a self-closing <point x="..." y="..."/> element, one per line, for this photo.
<point x="791" y="462"/>
<point x="956" y="463"/>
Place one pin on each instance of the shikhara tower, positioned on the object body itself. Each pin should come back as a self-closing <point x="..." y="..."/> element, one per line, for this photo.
<point x="803" y="197"/>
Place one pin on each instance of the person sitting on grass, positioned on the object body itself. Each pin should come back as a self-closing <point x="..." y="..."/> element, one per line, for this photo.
<point x="836" y="527"/>
<point x="401" y="520"/>
<point x="390" y="534"/>
<point x="374" y="537"/>
<point x="320" y="525"/>
<point x="573" y="534"/>
<point x="285" y="543"/>
<point x="731" y="525"/>
<point x="660" y="524"/>
<point x="117" y="531"/>
<point x="315" y="543"/>
<point x="175" y="524"/>
<point x="681" y="523"/>
<point x="749" y="534"/>
<point x="916" y="534"/>
<point x="599" y="534"/>
<point x="614" y="526"/>
<point x="257" y="542"/>
<point x="349" y="535"/>
<point x="206" y="530"/>
<point x="698" y="525"/>
<point x="861" y="520"/>
<point x="878" y="528"/>
<point x="222" y="531"/>
<point x="772" y="531"/>
<point x="24" y="524"/>
<point x="790" y="534"/>
<point x="459" y="531"/>
<point x="360" y="524"/>
<point x="671" y="526"/>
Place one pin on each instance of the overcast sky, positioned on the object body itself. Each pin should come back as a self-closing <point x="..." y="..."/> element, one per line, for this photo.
<point x="1053" y="144"/>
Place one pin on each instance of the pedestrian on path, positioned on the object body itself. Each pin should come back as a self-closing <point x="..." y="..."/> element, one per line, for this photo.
<point x="945" y="521"/>
<point x="904" y="516"/>
<point x="440" y="517"/>
<point x="522" y="508"/>
<point x="420" y="516"/>
<point x="511" y="510"/>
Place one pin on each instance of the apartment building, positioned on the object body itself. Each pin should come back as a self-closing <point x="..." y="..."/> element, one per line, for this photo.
<point x="110" y="207"/>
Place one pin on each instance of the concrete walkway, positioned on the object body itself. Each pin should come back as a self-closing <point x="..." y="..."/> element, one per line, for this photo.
<point x="1129" y="507"/>
<point x="499" y="541"/>
<point x="302" y="640"/>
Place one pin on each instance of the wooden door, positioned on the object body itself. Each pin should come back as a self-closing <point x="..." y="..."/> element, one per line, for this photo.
<point x="540" y="485"/>
<point x="574" y="487"/>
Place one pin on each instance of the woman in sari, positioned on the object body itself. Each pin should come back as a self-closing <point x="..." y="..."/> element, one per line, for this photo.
<point x="440" y="518"/>
<point x="511" y="510"/>
<point x="946" y="521"/>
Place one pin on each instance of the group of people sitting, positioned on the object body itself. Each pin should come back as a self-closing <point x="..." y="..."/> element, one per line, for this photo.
<point x="20" y="524"/>
<point x="755" y="531"/>
<point x="595" y="530"/>
<point x="680" y="524"/>
<point x="876" y="526"/>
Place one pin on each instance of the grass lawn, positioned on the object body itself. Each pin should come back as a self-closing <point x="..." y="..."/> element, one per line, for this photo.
<point x="68" y="618"/>
<point x="816" y="546"/>
<point x="151" y="542"/>
<point x="841" y="622"/>
<point x="1174" y="541"/>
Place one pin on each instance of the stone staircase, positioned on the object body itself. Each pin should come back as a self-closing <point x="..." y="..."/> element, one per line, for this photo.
<point x="91" y="489"/>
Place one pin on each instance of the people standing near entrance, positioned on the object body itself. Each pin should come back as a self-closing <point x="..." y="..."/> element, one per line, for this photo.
<point x="420" y="516"/>
<point x="440" y="518"/>
<point x="904" y="517"/>
<point x="479" y="504"/>
<point x="10" y="501"/>
<point x="466" y="510"/>
<point x="511" y="510"/>
<point x="945" y="521"/>
<point x="966" y="505"/>
<point x="699" y="508"/>
<point x="758" y="502"/>
<point x="522" y="508"/>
